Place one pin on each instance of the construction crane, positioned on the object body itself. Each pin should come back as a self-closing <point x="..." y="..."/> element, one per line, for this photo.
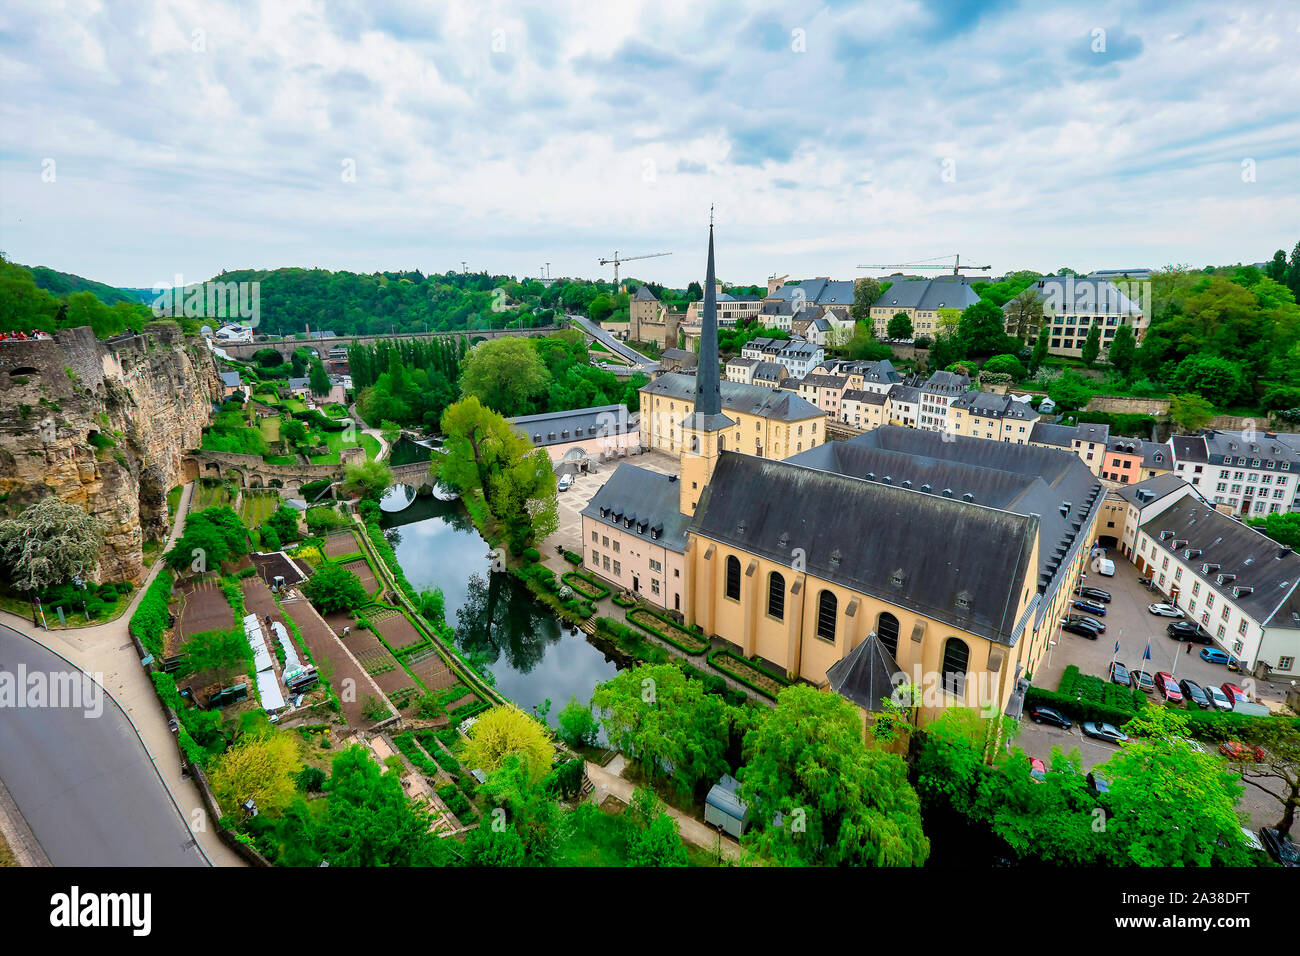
<point x="925" y="264"/>
<point x="617" y="262"/>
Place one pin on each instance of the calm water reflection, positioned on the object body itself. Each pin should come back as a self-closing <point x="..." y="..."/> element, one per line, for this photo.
<point x="532" y="655"/>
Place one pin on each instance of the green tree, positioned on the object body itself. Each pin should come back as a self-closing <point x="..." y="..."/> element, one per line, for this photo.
<point x="318" y="378"/>
<point x="491" y="847"/>
<point x="1024" y="314"/>
<point x="1190" y="412"/>
<point x="334" y="588"/>
<point x="900" y="326"/>
<point x="48" y="543"/>
<point x="1209" y="376"/>
<point x="293" y="431"/>
<point x="840" y="802"/>
<point x="865" y="292"/>
<point x="1005" y="365"/>
<point x="257" y="768"/>
<point x="1040" y="349"/>
<point x="219" y="651"/>
<point x="369" y="479"/>
<point x="1282" y="528"/>
<point x="653" y="840"/>
<point x="531" y="810"/>
<point x="982" y="329"/>
<point x="504" y="732"/>
<point x="578" y="725"/>
<point x="1092" y="345"/>
<point x="662" y="719"/>
<point x="1278" y="774"/>
<point x="1123" y="350"/>
<point x="1069" y="391"/>
<point x="504" y="374"/>
<point x="284" y="520"/>
<point x="211" y="536"/>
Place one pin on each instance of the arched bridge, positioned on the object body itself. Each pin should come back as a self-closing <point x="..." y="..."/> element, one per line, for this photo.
<point x="322" y="346"/>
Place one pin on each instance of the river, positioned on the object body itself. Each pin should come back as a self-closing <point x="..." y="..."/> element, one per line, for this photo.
<point x="532" y="655"/>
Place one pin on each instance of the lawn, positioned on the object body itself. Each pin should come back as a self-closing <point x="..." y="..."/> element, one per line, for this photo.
<point x="336" y="443"/>
<point x="256" y="507"/>
<point x="295" y="405"/>
<point x="209" y="496"/>
<point x="173" y="499"/>
<point x="270" y="429"/>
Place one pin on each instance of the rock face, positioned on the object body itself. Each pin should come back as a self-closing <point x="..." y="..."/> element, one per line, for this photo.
<point x="104" y="425"/>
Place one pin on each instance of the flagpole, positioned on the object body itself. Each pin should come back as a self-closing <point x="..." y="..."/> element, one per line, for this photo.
<point x="1174" y="671"/>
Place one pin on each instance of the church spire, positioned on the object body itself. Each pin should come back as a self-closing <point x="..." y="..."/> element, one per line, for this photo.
<point x="708" y="390"/>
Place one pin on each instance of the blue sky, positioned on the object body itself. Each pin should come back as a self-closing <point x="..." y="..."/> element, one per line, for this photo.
<point x="141" y="141"/>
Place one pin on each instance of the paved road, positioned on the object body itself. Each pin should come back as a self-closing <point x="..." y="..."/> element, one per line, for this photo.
<point x="607" y="340"/>
<point x="86" y="786"/>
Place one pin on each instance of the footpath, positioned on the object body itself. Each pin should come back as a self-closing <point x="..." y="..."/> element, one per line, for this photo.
<point x="105" y="652"/>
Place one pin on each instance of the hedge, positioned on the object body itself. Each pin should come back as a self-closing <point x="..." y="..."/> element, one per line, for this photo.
<point x="1078" y="709"/>
<point x="724" y="655"/>
<point x="151" y="618"/>
<point x="624" y="601"/>
<point x="385" y="552"/>
<point x="1098" y="691"/>
<point x="630" y="641"/>
<point x="713" y="684"/>
<point x="569" y="577"/>
<point x="572" y="558"/>
<point x="698" y="648"/>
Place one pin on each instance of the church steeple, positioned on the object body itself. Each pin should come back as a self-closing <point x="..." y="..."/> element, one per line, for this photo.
<point x="702" y="431"/>
<point x="708" y="390"/>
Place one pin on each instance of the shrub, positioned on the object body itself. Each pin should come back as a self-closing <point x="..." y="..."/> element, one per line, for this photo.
<point x="532" y="555"/>
<point x="151" y="617"/>
<point x="573" y="558"/>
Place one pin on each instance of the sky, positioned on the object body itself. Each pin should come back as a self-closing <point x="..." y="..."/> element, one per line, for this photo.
<point x="140" y="141"/>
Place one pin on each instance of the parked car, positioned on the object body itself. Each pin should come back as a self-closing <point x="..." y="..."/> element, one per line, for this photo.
<point x="1118" y="673"/>
<point x="1092" y="607"/>
<point x="1168" y="687"/>
<point x="1234" y="693"/>
<point x="1164" y="610"/>
<point x="1213" y="655"/>
<point x="1217" y="699"/>
<point x="1193" y="692"/>
<point x="1279" y="847"/>
<point x="1141" y="680"/>
<point x="1188" y="631"/>
<point x="1106" y="567"/>
<point x="1245" y="753"/>
<point x="1080" y="628"/>
<point x="565" y="482"/>
<point x="1037" y="770"/>
<point x="1233" y="664"/>
<point x="1090" y="621"/>
<point x="1096" y="594"/>
<point x="1104" y="732"/>
<point x="1046" y="715"/>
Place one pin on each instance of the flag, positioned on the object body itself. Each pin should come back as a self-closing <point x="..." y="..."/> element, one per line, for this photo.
<point x="1146" y="655"/>
<point x="1117" y="647"/>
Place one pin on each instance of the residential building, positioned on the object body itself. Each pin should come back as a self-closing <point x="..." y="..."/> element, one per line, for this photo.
<point x="741" y="369"/>
<point x="904" y="405"/>
<point x="1252" y="473"/>
<point x="1072" y="306"/>
<point x="583" y="435"/>
<point x="1130" y="460"/>
<point x="937" y="392"/>
<point x="1134" y="505"/>
<point x="992" y="417"/>
<point x="1241" y="586"/>
<point x="769" y="374"/>
<point x="922" y="301"/>
<point x="824" y="391"/>
<point x="798" y="357"/>
<point x="1086" y="440"/>
<point x="230" y="384"/>
<point x="863" y="409"/>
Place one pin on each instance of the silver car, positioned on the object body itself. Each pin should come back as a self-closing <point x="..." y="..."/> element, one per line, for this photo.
<point x="1164" y="610"/>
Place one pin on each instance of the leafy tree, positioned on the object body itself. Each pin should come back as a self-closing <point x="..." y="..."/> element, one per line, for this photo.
<point x="1282" y="528"/>
<point x="506" y="731"/>
<point x="211" y="536"/>
<point x="334" y="588"/>
<point x="1069" y="391"/>
<point x="1278" y="774"/>
<point x="1005" y="365"/>
<point x="49" y="542"/>
<point x="369" y="479"/>
<point x="531" y="810"/>
<point x="1040" y="349"/>
<point x="900" y="326"/>
<point x="865" y="292"/>
<point x="284" y="521"/>
<point x="1024" y="314"/>
<point x="220" y="651"/>
<point x="1123" y="350"/>
<point x="1190" y="412"/>
<point x="578" y="726"/>
<point x="294" y="431"/>
<point x="694" y="292"/>
<point x="318" y="378"/>
<point x="260" y="768"/>
<point x="1210" y="377"/>
<point x="982" y="329"/>
<point x="662" y="719"/>
<point x="487" y="845"/>
<point x="1092" y="345"/>
<point x="1276" y="269"/>
<point x="654" y="840"/>
<point x="504" y="374"/>
<point x="840" y="803"/>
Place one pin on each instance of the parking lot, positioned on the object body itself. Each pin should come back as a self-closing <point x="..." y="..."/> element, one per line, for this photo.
<point x="1128" y="621"/>
<point x="585" y="487"/>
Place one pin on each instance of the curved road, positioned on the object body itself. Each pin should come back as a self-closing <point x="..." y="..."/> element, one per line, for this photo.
<point x="604" y="338"/>
<point x="85" y="785"/>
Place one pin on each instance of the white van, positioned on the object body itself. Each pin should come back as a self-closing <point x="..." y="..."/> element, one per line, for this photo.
<point x="1106" y="566"/>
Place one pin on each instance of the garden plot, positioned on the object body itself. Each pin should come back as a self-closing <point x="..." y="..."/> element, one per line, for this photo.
<point x="431" y="669"/>
<point x="340" y="543"/>
<point x="205" y="608"/>
<point x="397" y="630"/>
<point x="362" y="571"/>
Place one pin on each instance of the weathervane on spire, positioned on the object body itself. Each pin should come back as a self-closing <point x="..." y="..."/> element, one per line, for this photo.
<point x="710" y="215"/>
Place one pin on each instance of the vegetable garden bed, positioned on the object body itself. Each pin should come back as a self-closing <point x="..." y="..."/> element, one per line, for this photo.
<point x="587" y="586"/>
<point x="748" y="673"/>
<point x="674" y="634"/>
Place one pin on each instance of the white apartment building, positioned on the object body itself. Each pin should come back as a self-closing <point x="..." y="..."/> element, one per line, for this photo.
<point x="1253" y="473"/>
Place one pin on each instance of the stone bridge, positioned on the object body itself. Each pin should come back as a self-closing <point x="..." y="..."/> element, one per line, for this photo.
<point x="416" y="474"/>
<point x="286" y="347"/>
<point x="251" y="471"/>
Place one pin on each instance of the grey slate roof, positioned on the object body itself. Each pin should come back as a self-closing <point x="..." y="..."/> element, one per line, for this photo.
<point x="989" y="405"/>
<point x="643" y="294"/>
<point x="946" y="383"/>
<point x="1024" y="479"/>
<point x="1213" y="447"/>
<point x="1256" y="561"/>
<point x="1154" y="454"/>
<point x="1061" y="436"/>
<point x="1142" y="493"/>
<point x="1083" y="296"/>
<point x="941" y="292"/>
<point x="866" y="675"/>
<point x="917" y="550"/>
<point x="230" y="379"/>
<point x="558" y="428"/>
<point x="770" y="371"/>
<point x="869" y="398"/>
<point x="824" y="381"/>
<point x="905" y="393"/>
<point x="741" y="362"/>
<point x="299" y="383"/>
<point x="652" y="500"/>
<point x="739" y="397"/>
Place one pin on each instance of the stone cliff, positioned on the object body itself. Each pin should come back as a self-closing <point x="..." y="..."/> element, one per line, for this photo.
<point x="104" y="425"/>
